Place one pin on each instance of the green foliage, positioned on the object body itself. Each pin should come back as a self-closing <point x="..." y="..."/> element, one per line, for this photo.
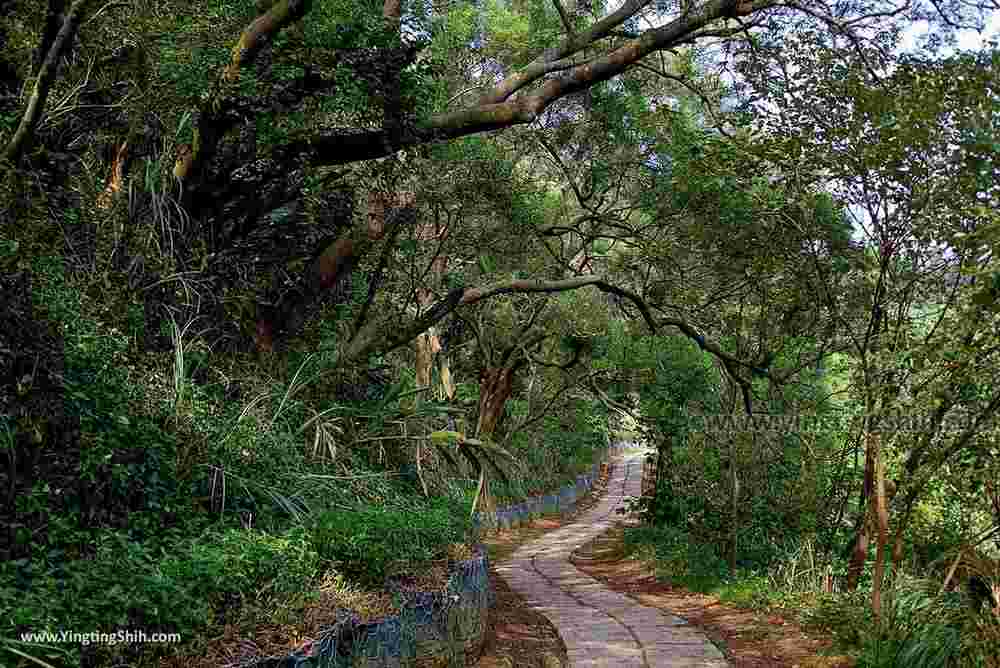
<point x="920" y="626"/>
<point x="180" y="588"/>
<point x="353" y="98"/>
<point x="185" y="68"/>
<point x="344" y="24"/>
<point x="516" y="34"/>
<point x="664" y="507"/>
<point x="9" y="121"/>
<point x="621" y="109"/>
<point x="275" y="128"/>
<point x="563" y="446"/>
<point x="453" y="30"/>
<point x="916" y="631"/>
<point x="681" y="374"/>
<point x="157" y="461"/>
<point x="244" y="561"/>
<point x="679" y="557"/>
<point x="188" y="57"/>
<point x="365" y="542"/>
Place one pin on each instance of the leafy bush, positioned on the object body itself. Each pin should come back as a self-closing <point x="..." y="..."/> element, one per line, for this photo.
<point x="660" y="508"/>
<point x="363" y="543"/>
<point x="685" y="561"/>
<point x="565" y="446"/>
<point x="239" y="561"/>
<point x="126" y="585"/>
<point x="919" y="628"/>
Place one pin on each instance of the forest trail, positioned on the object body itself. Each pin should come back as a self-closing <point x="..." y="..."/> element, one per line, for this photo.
<point x="603" y="628"/>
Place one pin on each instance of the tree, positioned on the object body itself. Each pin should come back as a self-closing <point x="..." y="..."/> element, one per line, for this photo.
<point x="314" y="99"/>
<point x="904" y="150"/>
<point x="231" y="180"/>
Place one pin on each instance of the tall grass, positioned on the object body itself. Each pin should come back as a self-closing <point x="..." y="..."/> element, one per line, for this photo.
<point x="920" y="627"/>
<point x="802" y="570"/>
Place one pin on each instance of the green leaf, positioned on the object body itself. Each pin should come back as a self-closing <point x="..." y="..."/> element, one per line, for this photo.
<point x="487" y="264"/>
<point x="446" y="437"/>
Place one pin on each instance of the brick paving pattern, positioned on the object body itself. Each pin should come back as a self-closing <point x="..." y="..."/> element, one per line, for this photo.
<point x="602" y="628"/>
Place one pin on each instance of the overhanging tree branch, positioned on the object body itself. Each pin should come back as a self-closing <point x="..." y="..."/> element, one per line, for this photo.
<point x="210" y="125"/>
<point x="496" y="110"/>
<point x="572" y="44"/>
<point x="43" y="83"/>
<point x="373" y="340"/>
<point x="278" y="15"/>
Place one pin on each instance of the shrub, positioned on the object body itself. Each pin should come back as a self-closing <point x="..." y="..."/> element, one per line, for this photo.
<point x="920" y="626"/>
<point x="686" y="561"/>
<point x="363" y="543"/>
<point x="238" y="562"/>
<point x="126" y="585"/>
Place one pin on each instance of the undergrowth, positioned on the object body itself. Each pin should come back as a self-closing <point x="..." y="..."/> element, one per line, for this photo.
<point x="921" y="625"/>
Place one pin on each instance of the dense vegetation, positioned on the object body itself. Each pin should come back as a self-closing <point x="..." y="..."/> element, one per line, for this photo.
<point x="290" y="288"/>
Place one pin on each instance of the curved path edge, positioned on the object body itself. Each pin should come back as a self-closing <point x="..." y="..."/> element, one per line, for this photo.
<point x="603" y="628"/>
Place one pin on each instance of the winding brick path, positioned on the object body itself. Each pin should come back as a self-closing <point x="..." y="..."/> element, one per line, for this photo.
<point x="602" y="628"/>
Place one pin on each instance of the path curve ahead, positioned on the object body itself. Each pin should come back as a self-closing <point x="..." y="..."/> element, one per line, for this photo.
<point x="602" y="628"/>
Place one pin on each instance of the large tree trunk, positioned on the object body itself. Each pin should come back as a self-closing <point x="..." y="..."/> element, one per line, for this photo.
<point x="495" y="387"/>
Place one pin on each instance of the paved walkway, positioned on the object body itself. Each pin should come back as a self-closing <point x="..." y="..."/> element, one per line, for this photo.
<point x="602" y="628"/>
